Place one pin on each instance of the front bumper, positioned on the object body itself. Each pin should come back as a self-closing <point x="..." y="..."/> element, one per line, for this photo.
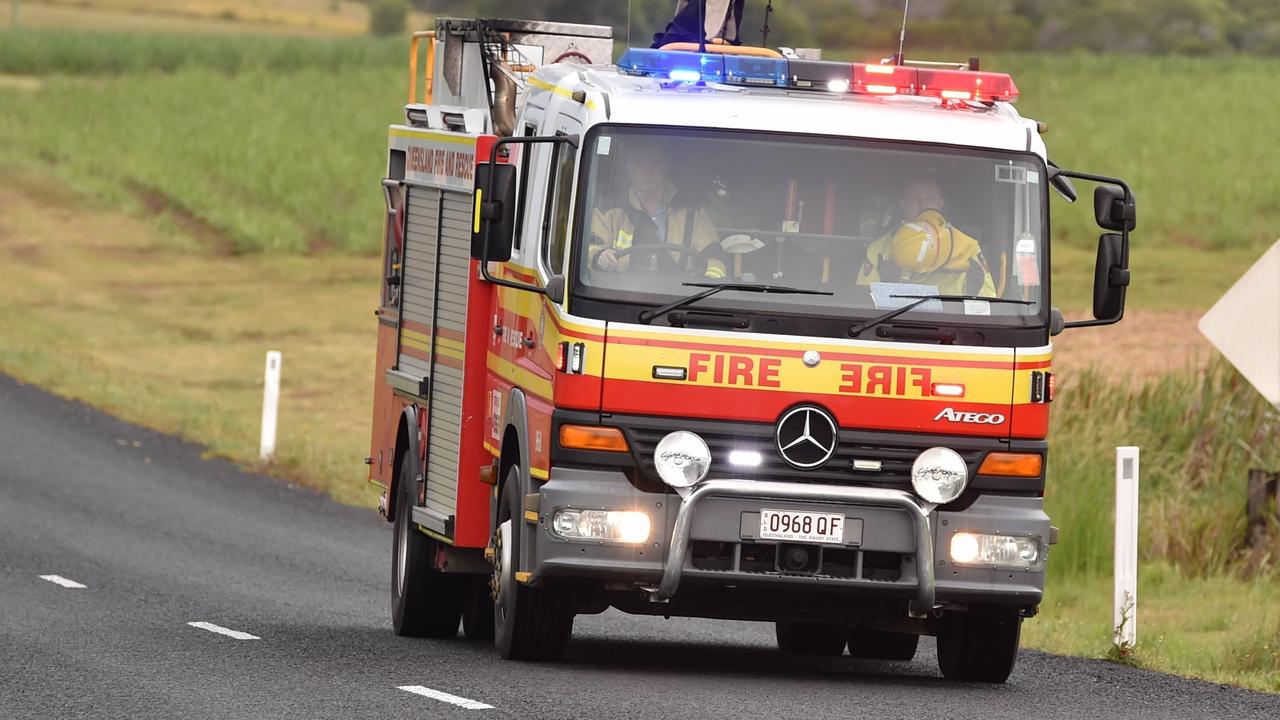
<point x="678" y="554"/>
<point x="895" y="523"/>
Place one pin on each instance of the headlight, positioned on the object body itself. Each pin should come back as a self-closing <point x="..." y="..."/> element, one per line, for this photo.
<point x="626" y="526"/>
<point x="682" y="459"/>
<point x="939" y="475"/>
<point x="1015" y="552"/>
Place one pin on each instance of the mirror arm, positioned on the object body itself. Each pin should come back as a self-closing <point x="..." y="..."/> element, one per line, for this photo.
<point x="572" y="141"/>
<point x="1093" y="323"/>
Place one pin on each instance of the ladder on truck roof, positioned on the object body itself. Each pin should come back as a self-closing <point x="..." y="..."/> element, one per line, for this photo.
<point x="483" y="64"/>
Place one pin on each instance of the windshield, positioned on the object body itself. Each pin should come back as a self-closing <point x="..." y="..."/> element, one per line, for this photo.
<point x="875" y="224"/>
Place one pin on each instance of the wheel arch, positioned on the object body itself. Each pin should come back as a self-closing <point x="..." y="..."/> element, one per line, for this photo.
<point x="406" y="442"/>
<point x="515" y="451"/>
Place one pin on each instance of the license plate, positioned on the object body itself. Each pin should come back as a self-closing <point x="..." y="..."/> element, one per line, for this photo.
<point x="801" y="527"/>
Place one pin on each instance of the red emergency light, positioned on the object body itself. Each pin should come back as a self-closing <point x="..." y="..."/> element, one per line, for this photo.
<point x="883" y="79"/>
<point x="945" y="84"/>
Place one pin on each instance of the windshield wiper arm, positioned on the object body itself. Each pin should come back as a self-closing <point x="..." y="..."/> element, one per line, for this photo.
<point x="648" y="316"/>
<point x="856" y="330"/>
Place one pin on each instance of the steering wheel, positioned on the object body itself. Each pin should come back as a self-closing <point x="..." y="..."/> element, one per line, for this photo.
<point x="665" y="263"/>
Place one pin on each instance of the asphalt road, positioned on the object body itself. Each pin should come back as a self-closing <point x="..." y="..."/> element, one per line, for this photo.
<point x="160" y="538"/>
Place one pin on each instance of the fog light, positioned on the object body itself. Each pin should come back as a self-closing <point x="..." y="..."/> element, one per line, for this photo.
<point x="682" y="459"/>
<point x="939" y="475"/>
<point x="626" y="526"/>
<point x="1014" y="552"/>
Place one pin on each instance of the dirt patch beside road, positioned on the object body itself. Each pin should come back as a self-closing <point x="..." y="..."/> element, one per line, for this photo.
<point x="1145" y="344"/>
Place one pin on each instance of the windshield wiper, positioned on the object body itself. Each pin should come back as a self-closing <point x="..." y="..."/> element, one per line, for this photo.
<point x="858" y="329"/>
<point x="648" y="316"/>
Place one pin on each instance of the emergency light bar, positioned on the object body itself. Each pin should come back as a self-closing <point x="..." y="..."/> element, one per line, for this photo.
<point x="860" y="78"/>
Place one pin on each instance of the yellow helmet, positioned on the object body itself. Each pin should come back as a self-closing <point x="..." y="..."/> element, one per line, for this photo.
<point x="924" y="244"/>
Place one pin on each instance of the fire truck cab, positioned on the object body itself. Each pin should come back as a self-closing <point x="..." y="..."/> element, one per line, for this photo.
<point x="722" y="334"/>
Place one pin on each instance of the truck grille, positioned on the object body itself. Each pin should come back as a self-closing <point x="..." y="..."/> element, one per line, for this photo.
<point x="893" y="455"/>
<point x="761" y="559"/>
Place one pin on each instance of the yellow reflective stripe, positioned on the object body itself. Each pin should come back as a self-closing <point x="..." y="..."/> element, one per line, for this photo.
<point x="475" y="226"/>
<point x="415" y="134"/>
<point x="556" y="89"/>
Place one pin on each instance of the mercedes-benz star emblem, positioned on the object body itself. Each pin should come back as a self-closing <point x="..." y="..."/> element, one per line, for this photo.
<point x="806" y="436"/>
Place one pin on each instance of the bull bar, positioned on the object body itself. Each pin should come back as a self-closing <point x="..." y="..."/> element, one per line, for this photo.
<point x="920" y="606"/>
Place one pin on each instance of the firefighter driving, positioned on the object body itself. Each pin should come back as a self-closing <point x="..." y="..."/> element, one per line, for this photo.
<point x="722" y="334"/>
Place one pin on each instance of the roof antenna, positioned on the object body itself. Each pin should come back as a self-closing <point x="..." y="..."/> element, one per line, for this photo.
<point x="768" y="10"/>
<point x="902" y="36"/>
<point x="702" y="25"/>
<point x="628" y="23"/>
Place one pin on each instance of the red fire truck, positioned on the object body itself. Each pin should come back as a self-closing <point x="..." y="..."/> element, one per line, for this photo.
<point x="719" y="332"/>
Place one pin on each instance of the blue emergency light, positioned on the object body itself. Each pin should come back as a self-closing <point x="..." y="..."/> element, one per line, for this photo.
<point x="760" y="71"/>
<point x="676" y="65"/>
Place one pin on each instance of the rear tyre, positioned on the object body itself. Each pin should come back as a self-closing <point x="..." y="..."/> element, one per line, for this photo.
<point x="811" y="638"/>
<point x="882" y="644"/>
<point x="529" y="623"/>
<point x="979" y="646"/>
<point x="424" y="601"/>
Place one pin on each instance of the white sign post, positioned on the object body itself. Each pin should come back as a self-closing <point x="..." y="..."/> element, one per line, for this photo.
<point x="1245" y="325"/>
<point x="270" y="406"/>
<point x="1124" y="622"/>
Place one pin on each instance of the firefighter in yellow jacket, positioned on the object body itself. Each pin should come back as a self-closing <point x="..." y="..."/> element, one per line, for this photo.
<point x="928" y="250"/>
<point x="653" y="217"/>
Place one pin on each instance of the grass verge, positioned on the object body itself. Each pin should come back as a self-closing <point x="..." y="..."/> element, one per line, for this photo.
<point x="101" y="307"/>
<point x="1219" y="628"/>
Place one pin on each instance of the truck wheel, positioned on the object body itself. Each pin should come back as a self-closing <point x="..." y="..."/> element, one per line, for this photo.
<point x="811" y="638"/>
<point x="882" y="644"/>
<point x="424" y="601"/>
<point x="529" y="623"/>
<point x="979" y="646"/>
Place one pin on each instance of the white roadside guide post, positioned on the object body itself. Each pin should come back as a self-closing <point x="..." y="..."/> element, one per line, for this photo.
<point x="1124" y="618"/>
<point x="270" y="406"/>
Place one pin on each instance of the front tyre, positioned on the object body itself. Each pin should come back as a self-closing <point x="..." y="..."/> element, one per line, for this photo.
<point x="424" y="601"/>
<point x="979" y="646"/>
<point x="529" y="623"/>
<point x="811" y="638"/>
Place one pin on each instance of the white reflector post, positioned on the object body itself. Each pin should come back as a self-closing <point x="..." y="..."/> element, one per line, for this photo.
<point x="1125" y="616"/>
<point x="270" y="406"/>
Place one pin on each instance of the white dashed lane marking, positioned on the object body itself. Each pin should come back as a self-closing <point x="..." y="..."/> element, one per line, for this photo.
<point x="59" y="580"/>
<point x="224" y="631"/>
<point x="465" y="703"/>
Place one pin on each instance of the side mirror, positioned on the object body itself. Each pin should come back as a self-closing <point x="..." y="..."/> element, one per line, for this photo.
<point x="494" y="230"/>
<point x="1112" y="210"/>
<point x="1110" y="278"/>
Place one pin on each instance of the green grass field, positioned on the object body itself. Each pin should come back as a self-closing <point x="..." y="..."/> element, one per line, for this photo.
<point x="257" y="117"/>
<point x="247" y="171"/>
